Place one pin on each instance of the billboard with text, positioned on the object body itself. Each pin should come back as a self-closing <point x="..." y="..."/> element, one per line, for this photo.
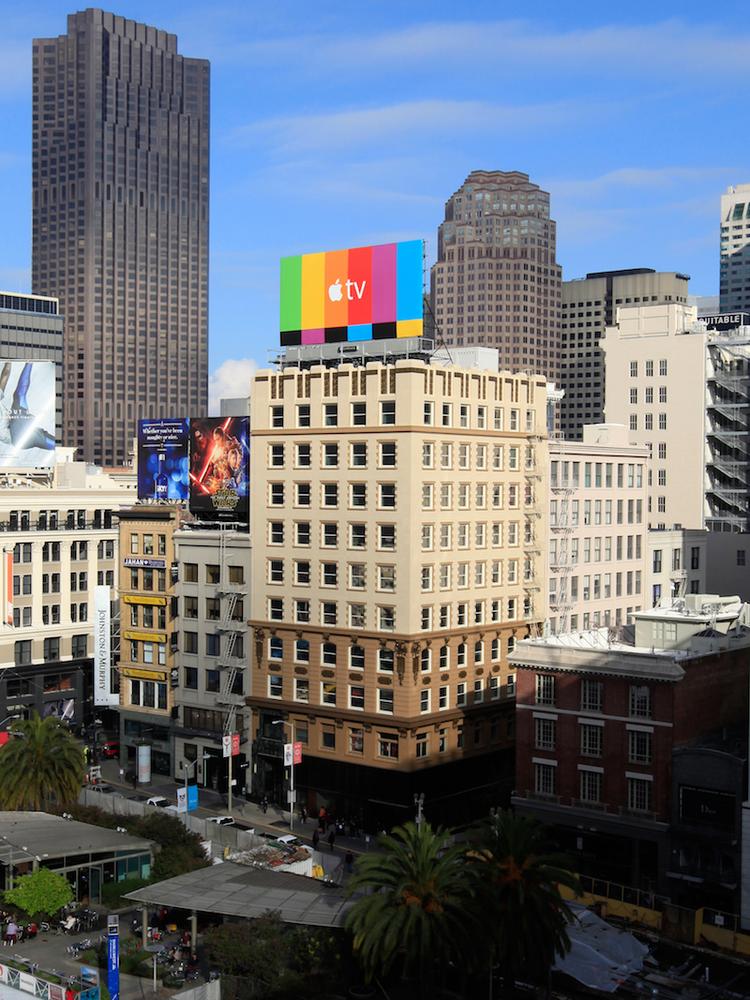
<point x="163" y="464"/>
<point x="219" y="468"/>
<point x="27" y="413"/>
<point x="364" y="293"/>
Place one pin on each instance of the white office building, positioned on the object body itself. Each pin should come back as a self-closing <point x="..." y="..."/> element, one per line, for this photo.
<point x="734" y="281"/>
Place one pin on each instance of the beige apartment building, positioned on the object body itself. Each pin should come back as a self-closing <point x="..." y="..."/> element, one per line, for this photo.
<point x="589" y="305"/>
<point x="682" y="387"/>
<point x="147" y="638"/>
<point x="597" y="529"/>
<point x="399" y="537"/>
<point x="61" y="529"/>
<point x="655" y="364"/>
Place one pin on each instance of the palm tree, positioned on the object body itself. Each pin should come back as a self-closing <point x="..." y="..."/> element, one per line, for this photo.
<point x="518" y="881"/>
<point x="40" y="765"/>
<point x="417" y="911"/>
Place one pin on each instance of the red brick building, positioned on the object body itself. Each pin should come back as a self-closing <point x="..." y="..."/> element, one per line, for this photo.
<point x="599" y="716"/>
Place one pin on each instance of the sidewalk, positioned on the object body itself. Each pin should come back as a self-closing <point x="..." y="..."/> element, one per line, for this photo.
<point x="49" y="952"/>
<point x="275" y="821"/>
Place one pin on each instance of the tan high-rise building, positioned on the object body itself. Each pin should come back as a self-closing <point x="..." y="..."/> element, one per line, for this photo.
<point x="399" y="530"/>
<point x="589" y="306"/>
<point x="120" y="163"/>
<point x="496" y="282"/>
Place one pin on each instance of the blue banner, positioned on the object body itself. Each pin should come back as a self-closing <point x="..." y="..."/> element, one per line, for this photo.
<point x="192" y="797"/>
<point x="113" y="966"/>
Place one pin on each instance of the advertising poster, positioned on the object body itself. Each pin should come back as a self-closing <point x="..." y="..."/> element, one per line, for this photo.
<point x="143" y="763"/>
<point x="103" y="693"/>
<point x="219" y="467"/>
<point x="27" y="413"/>
<point x="163" y="464"/>
<point x="8" y="586"/>
<point x="365" y="293"/>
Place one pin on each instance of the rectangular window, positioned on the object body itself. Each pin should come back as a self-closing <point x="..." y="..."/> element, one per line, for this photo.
<point x="591" y="695"/>
<point x="545" y="689"/>
<point x="544" y="734"/>
<point x="591" y="740"/>
<point x="639" y="747"/>
<point x="640" y="701"/>
<point x="591" y="786"/>
<point x="639" y="794"/>
<point x="388" y="412"/>
<point x="544" y="779"/>
<point x="385" y="700"/>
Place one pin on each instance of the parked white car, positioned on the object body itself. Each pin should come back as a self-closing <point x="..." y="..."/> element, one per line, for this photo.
<point x="221" y="820"/>
<point x="159" y="802"/>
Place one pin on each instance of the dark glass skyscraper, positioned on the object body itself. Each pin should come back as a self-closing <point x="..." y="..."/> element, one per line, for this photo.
<point x="120" y="232"/>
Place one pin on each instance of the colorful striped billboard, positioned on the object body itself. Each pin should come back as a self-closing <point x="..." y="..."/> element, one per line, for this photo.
<point x="367" y="293"/>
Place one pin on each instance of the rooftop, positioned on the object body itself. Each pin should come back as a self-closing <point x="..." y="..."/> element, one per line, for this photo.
<point x="703" y="624"/>
<point x="39" y="834"/>
<point x="233" y="890"/>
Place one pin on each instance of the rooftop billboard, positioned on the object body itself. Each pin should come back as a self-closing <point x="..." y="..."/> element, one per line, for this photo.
<point x="163" y="463"/>
<point x="219" y="466"/>
<point x="365" y="293"/>
<point x="27" y="413"/>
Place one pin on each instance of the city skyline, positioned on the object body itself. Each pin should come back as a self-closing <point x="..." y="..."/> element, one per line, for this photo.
<point x="307" y="159"/>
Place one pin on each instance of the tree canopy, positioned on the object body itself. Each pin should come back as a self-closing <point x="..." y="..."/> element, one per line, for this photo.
<point x="41" y="765"/>
<point x="43" y="892"/>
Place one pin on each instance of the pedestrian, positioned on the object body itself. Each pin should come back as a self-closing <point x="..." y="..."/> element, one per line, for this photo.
<point x="332" y="838"/>
<point x="69" y="993"/>
<point x="134" y="779"/>
<point x="323" y="818"/>
<point x="349" y="862"/>
<point x="315" y="839"/>
<point x="303" y="814"/>
<point x="122" y="775"/>
<point x="11" y="932"/>
<point x="264" y="804"/>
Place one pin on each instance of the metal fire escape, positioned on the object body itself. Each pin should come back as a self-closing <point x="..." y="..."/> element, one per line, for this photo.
<point x="561" y="531"/>
<point x="728" y="434"/>
<point x="532" y="514"/>
<point x="231" y="628"/>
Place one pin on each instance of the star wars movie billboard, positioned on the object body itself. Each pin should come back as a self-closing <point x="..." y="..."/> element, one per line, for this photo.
<point x="219" y="468"/>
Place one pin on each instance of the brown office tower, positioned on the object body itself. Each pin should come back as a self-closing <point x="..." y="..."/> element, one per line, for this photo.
<point x="496" y="282"/>
<point x="120" y="235"/>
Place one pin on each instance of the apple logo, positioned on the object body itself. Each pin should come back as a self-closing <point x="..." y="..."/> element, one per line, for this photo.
<point x="335" y="293"/>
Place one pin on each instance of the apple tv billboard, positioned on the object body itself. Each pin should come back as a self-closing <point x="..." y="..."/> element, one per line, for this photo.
<point x="27" y="413"/>
<point x="364" y="293"/>
<point x="219" y="468"/>
<point x="163" y="459"/>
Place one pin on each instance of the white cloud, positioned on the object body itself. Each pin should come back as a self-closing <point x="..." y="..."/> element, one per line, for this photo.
<point x="230" y="380"/>
<point x="641" y="177"/>
<point x="409" y="119"/>
<point x="511" y="46"/>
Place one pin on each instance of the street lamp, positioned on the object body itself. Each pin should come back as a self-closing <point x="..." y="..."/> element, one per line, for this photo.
<point x="419" y="805"/>
<point x="282" y="722"/>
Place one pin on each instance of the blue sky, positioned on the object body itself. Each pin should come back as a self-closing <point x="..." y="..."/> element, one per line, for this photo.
<point x="341" y="124"/>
